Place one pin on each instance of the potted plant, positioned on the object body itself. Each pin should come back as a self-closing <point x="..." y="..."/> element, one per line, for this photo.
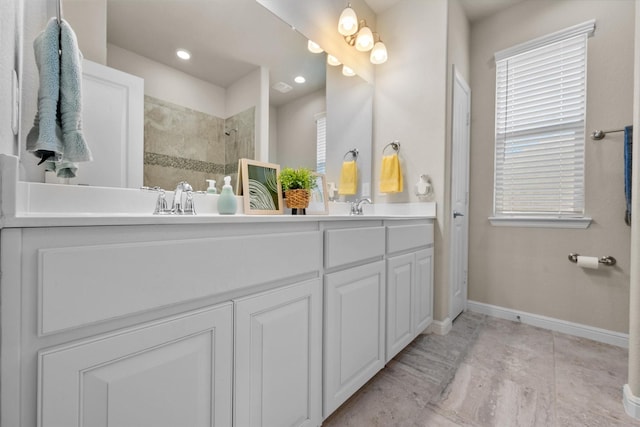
<point x="297" y="185"/>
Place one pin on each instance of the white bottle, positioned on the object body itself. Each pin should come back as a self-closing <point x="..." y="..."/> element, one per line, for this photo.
<point x="227" y="203"/>
<point x="212" y="186"/>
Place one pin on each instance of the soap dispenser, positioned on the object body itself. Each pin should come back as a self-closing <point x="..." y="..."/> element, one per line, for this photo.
<point x="227" y="203"/>
<point x="212" y="186"/>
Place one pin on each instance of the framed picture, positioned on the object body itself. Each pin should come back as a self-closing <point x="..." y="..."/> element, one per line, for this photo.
<point x="318" y="202"/>
<point x="258" y="182"/>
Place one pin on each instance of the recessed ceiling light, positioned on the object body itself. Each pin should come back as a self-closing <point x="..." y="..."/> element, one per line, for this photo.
<point x="183" y="54"/>
<point x="299" y="79"/>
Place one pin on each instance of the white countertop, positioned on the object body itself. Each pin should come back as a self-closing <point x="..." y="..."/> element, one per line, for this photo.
<point x="52" y="205"/>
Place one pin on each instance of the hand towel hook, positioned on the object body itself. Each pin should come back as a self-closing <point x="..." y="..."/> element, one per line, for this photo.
<point x="59" y="11"/>
<point x="393" y="144"/>
<point x="354" y="153"/>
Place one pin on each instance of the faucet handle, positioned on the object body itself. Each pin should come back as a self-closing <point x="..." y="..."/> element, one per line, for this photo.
<point x="161" y="204"/>
<point x="189" y="206"/>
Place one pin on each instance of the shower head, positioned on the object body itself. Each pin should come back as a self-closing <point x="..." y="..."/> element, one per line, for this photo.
<point x="228" y="131"/>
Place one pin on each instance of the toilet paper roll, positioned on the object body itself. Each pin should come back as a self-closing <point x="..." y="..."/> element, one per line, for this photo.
<point x="588" y="262"/>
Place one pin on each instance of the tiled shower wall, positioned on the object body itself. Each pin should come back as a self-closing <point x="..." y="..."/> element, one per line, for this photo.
<point x="181" y="144"/>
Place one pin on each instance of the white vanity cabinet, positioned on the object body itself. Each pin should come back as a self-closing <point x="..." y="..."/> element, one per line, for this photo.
<point x="167" y="373"/>
<point x="278" y="365"/>
<point x="136" y="325"/>
<point x="354" y="310"/>
<point x="234" y="322"/>
<point x="409" y="283"/>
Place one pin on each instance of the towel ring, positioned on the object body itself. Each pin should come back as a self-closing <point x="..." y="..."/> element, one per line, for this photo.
<point x="393" y="144"/>
<point x="354" y="153"/>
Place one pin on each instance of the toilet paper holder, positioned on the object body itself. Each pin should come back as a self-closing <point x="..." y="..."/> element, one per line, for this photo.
<point x="606" y="260"/>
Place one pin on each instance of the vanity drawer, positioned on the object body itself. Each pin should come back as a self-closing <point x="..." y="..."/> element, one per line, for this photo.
<point x="347" y="246"/>
<point x="87" y="281"/>
<point x="405" y="237"/>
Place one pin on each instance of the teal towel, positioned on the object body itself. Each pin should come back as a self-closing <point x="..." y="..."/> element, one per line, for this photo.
<point x="75" y="146"/>
<point x="45" y="138"/>
<point x="57" y="130"/>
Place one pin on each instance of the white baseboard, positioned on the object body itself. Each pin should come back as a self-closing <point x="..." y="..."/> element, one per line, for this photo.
<point x="631" y="402"/>
<point x="440" y="327"/>
<point x="576" y="329"/>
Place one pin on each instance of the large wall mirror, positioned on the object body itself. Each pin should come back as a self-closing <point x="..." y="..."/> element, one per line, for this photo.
<point x="201" y="115"/>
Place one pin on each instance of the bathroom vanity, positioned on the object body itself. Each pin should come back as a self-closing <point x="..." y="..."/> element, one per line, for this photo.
<point x="204" y="320"/>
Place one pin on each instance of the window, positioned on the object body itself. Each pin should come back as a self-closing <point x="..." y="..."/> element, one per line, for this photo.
<point x="321" y="142"/>
<point x="540" y="127"/>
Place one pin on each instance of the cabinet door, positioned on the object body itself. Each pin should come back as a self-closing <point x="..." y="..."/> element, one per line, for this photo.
<point x="423" y="294"/>
<point x="400" y="318"/>
<point x="354" y="331"/>
<point x="175" y="372"/>
<point x="278" y="363"/>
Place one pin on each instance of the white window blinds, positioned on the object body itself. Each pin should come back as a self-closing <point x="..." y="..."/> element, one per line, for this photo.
<point x="321" y="142"/>
<point x="540" y="127"/>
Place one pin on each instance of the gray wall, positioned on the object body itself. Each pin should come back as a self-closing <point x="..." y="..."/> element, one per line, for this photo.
<point x="295" y="128"/>
<point x="410" y="106"/>
<point x="527" y="268"/>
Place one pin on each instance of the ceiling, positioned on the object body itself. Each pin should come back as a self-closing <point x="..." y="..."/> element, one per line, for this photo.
<point x="215" y="32"/>
<point x="474" y="9"/>
<point x="228" y="39"/>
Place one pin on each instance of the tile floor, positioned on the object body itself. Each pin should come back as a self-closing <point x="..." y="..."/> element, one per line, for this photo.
<point x="494" y="372"/>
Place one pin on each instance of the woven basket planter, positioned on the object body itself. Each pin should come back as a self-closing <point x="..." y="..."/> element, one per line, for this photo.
<point x="297" y="199"/>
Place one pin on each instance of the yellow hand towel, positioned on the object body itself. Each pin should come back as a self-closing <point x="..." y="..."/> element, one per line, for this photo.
<point x="391" y="175"/>
<point x="348" y="178"/>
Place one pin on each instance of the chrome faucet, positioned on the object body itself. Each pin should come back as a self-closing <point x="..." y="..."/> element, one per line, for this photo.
<point x="180" y="208"/>
<point x="356" y="207"/>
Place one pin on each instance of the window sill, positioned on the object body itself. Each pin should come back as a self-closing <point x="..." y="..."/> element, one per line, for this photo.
<point x="539" y="222"/>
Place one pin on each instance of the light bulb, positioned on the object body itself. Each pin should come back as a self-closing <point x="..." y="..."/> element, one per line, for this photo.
<point x="346" y="71"/>
<point x="364" y="40"/>
<point x="332" y="60"/>
<point x="183" y="54"/>
<point x="348" y="22"/>
<point x="299" y="79"/>
<point x="314" y="47"/>
<point x="378" y="53"/>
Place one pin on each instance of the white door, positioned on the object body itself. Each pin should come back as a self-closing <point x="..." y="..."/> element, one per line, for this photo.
<point x="459" y="193"/>
<point x="278" y="364"/>
<point x="113" y="125"/>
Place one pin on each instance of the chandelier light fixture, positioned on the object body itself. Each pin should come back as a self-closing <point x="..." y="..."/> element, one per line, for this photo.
<point x="356" y="33"/>
<point x="314" y="47"/>
<point x="379" y="52"/>
<point x="346" y="71"/>
<point x="348" y="22"/>
<point x="332" y="60"/>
